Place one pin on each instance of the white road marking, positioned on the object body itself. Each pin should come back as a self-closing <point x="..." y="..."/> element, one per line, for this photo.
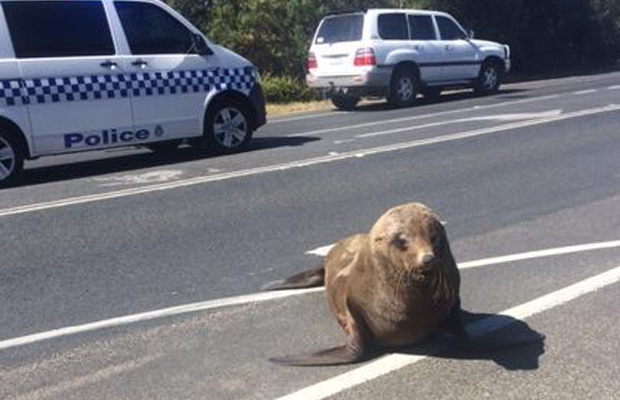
<point x="298" y="164"/>
<point x="263" y="297"/>
<point x="500" y="117"/>
<point x="616" y="87"/>
<point x="139" y="179"/>
<point x="322" y="252"/>
<point x="589" y="91"/>
<point x="394" y="362"/>
<point x="417" y="117"/>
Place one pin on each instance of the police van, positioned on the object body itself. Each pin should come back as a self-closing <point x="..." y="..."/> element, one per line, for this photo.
<point x="79" y="75"/>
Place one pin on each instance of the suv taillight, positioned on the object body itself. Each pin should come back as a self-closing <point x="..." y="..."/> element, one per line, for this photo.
<point x="312" y="63"/>
<point x="365" y="57"/>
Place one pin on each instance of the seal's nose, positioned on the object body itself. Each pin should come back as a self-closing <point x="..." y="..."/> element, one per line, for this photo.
<point x="426" y="259"/>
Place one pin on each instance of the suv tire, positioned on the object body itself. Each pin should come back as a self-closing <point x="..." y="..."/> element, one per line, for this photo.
<point x="489" y="79"/>
<point x="228" y="127"/>
<point x="345" y="103"/>
<point x="403" y="88"/>
<point x="11" y="159"/>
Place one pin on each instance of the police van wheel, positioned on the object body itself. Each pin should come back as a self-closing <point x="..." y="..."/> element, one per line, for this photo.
<point x="164" y="147"/>
<point x="228" y="127"/>
<point x="11" y="160"/>
<point x="345" y="103"/>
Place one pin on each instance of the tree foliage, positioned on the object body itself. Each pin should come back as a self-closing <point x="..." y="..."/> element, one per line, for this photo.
<point x="544" y="35"/>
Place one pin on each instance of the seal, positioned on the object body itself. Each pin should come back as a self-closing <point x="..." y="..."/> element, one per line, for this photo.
<point x="394" y="286"/>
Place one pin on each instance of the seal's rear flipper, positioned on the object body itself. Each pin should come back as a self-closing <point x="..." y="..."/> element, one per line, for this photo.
<point x="335" y="356"/>
<point x="307" y="279"/>
<point x="356" y="349"/>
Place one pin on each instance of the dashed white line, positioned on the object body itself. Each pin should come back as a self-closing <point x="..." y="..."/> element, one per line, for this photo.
<point x="589" y="91"/>
<point x="265" y="296"/>
<point x="394" y="362"/>
<point x="616" y="87"/>
<point x="298" y="164"/>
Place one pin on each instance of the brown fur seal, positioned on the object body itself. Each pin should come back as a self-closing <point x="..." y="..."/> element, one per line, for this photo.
<point x="395" y="286"/>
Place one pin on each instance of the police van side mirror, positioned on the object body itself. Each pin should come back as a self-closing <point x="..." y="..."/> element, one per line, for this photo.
<point x="200" y="45"/>
<point x="470" y="34"/>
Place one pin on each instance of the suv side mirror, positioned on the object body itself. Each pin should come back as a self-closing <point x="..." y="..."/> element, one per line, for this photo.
<point x="200" y="45"/>
<point x="470" y="34"/>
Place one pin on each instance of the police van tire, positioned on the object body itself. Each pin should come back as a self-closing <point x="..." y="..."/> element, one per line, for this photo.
<point x="11" y="159"/>
<point x="164" y="147"/>
<point x="228" y="126"/>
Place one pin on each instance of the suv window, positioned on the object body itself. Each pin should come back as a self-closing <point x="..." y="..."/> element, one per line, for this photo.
<point x="393" y="27"/>
<point x="421" y="27"/>
<point x="346" y="28"/>
<point x="151" y="30"/>
<point x="58" y="28"/>
<point x="449" y="30"/>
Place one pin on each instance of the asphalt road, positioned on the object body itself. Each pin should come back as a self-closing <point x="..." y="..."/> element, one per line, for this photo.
<point x="124" y="274"/>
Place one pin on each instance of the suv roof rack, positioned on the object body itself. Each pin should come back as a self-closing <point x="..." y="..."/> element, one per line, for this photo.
<point x="340" y="11"/>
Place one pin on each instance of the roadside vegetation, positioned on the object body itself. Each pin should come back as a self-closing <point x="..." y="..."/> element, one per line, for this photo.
<point x="546" y="37"/>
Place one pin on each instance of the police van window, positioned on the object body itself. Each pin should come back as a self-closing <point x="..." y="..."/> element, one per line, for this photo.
<point x="421" y="27"/>
<point x="393" y="27"/>
<point x="449" y="30"/>
<point x="151" y="30"/>
<point x="58" y="28"/>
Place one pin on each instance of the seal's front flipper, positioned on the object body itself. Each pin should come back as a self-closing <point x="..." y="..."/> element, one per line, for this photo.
<point x="356" y="349"/>
<point x="307" y="279"/>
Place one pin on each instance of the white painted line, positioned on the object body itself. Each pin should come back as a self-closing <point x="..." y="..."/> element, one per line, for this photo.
<point x="264" y="296"/>
<point x="589" y="91"/>
<point x="541" y="254"/>
<point x="417" y="117"/>
<point x="394" y="362"/>
<point x="500" y="117"/>
<point x="157" y="314"/>
<point x="322" y="252"/>
<point x="616" y="87"/>
<point x="298" y="164"/>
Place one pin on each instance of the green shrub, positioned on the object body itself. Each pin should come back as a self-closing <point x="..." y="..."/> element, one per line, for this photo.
<point x="287" y="90"/>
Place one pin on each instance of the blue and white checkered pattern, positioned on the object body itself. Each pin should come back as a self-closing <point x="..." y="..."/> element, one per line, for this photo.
<point x="98" y="87"/>
<point x="10" y="93"/>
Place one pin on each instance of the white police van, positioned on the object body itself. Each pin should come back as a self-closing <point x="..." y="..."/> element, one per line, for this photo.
<point x="80" y="75"/>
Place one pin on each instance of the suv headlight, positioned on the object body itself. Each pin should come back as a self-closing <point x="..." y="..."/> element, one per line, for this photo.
<point x="506" y="51"/>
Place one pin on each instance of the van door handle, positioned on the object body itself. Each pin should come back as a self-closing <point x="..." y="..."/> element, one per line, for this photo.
<point x="448" y="47"/>
<point x="140" y="63"/>
<point x="109" y="64"/>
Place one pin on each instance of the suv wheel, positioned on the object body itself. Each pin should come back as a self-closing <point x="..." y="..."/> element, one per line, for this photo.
<point x="345" y="103"/>
<point x="228" y="127"/>
<point x="489" y="78"/>
<point x="11" y="160"/>
<point x="403" y="89"/>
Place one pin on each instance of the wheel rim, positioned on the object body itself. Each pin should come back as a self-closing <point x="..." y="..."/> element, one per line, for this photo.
<point x="490" y="78"/>
<point x="230" y="127"/>
<point x="7" y="159"/>
<point x="405" y="88"/>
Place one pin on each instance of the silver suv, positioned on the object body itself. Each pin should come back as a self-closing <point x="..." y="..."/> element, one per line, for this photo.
<point x="397" y="54"/>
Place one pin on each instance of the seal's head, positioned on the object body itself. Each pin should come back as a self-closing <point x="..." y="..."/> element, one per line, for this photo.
<point x="408" y="237"/>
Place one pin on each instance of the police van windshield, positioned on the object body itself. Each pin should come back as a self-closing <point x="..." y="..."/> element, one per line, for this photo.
<point x="345" y="28"/>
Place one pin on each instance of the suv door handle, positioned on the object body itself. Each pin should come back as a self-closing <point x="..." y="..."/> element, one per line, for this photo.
<point x="140" y="63"/>
<point x="448" y="47"/>
<point x="109" y="64"/>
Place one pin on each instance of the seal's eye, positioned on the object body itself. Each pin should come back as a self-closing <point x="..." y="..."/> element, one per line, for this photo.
<point x="400" y="242"/>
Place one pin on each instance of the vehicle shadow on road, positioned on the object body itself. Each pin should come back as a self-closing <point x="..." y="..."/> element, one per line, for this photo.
<point x="511" y="94"/>
<point x="115" y="161"/>
<point x="515" y="347"/>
